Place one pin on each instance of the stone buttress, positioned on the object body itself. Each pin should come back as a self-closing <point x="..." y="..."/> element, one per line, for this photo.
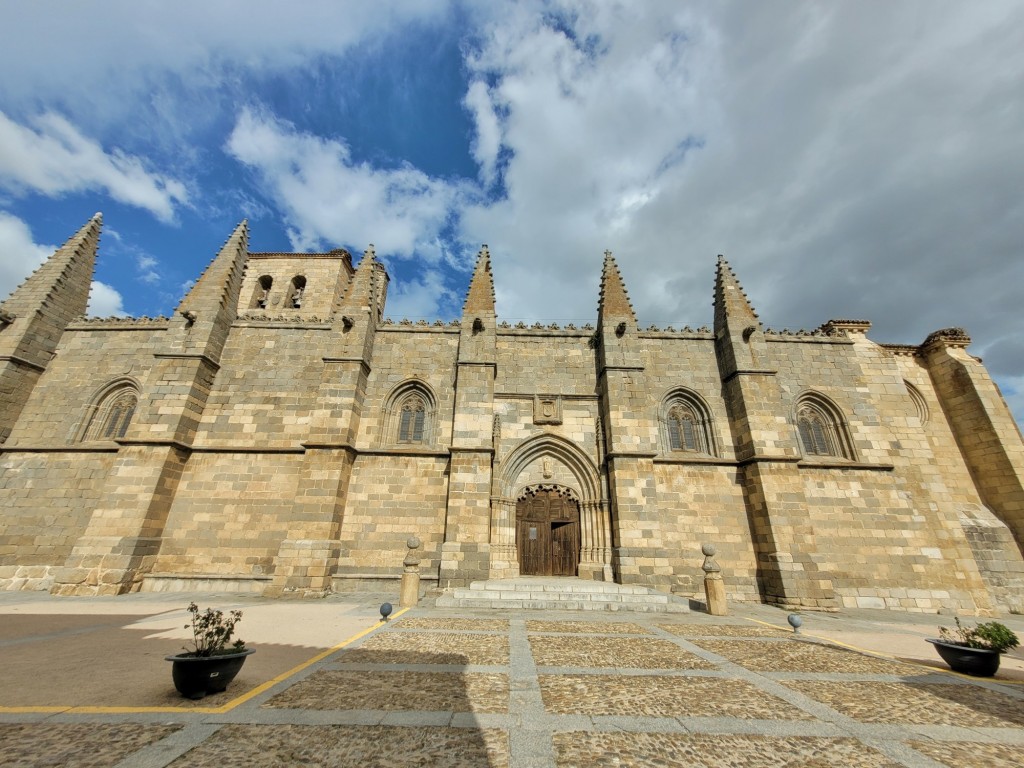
<point x="468" y="551"/>
<point x="124" y="533"/>
<point x="638" y="551"/>
<point x="790" y="570"/>
<point x="985" y="431"/>
<point x="33" y="318"/>
<point x="308" y="557"/>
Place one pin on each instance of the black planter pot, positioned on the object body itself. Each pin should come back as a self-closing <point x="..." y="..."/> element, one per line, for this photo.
<point x="979" y="662"/>
<point x="196" y="676"/>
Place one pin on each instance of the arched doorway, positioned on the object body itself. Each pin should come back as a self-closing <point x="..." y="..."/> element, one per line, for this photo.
<point x="548" y="532"/>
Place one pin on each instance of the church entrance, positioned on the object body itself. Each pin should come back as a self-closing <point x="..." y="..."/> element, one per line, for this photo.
<point x="548" y="533"/>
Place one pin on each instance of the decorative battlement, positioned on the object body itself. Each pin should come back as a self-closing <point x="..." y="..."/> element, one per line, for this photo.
<point x="901" y="350"/>
<point x="948" y="337"/>
<point x="119" y="323"/>
<point x="843" y="326"/>
<point x="422" y="323"/>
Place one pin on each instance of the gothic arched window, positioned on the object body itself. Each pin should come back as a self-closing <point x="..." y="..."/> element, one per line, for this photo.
<point x="686" y="424"/>
<point x="412" y="419"/>
<point x="682" y="430"/>
<point x="814" y="433"/>
<point x="112" y="414"/>
<point x="821" y="428"/>
<point x="409" y="415"/>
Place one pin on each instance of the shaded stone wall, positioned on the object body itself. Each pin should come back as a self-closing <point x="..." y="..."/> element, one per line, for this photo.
<point x="229" y="515"/>
<point x="390" y="498"/>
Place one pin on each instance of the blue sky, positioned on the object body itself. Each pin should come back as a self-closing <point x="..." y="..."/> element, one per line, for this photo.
<point x="851" y="160"/>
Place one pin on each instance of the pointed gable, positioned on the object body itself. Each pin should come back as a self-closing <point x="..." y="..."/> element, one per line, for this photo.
<point x="480" y="296"/>
<point x="219" y="285"/>
<point x="362" y="291"/>
<point x="731" y="304"/>
<point x="614" y="300"/>
<point x="61" y="284"/>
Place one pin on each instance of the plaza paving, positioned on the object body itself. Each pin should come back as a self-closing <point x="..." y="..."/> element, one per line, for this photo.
<point x="330" y="685"/>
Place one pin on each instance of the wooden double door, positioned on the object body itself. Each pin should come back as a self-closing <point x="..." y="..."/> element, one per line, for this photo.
<point x="548" y="534"/>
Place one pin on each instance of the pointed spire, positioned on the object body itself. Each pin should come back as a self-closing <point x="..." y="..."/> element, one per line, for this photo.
<point x="220" y="283"/>
<point x="614" y="300"/>
<point x="480" y="296"/>
<point x="362" y="293"/>
<point x="731" y="303"/>
<point x="62" y="282"/>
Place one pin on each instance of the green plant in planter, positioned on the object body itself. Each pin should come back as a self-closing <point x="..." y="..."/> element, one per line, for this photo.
<point x="212" y="631"/>
<point x="991" y="636"/>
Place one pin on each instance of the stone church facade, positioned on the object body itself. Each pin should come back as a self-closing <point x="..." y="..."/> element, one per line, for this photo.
<point x="278" y="435"/>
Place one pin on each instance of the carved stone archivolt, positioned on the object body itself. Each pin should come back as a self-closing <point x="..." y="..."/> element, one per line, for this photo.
<point x="532" y="490"/>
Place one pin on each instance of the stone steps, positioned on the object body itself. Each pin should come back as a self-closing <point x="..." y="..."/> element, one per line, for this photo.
<point x="563" y="593"/>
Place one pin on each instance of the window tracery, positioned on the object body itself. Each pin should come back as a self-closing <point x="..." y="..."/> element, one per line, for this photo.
<point x="112" y="415"/>
<point x="409" y="417"/>
<point x="821" y="428"/>
<point x="687" y="425"/>
<point x="412" y="419"/>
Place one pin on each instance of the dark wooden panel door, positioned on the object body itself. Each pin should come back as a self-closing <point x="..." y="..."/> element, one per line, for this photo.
<point x="548" y="534"/>
<point x="534" y="541"/>
<point x="565" y="548"/>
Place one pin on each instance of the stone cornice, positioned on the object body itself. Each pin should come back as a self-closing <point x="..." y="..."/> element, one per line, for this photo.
<point x="712" y="461"/>
<point x="752" y="372"/>
<point x="631" y="455"/>
<point x="204" y="358"/>
<point x="22" y="362"/>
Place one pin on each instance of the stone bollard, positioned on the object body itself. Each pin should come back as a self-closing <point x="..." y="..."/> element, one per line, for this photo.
<point x="714" y="587"/>
<point x="410" y="593"/>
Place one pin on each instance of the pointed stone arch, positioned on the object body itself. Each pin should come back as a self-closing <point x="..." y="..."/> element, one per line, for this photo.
<point x="821" y="427"/>
<point x="551" y="461"/>
<point x="109" y="411"/>
<point x="410" y="415"/>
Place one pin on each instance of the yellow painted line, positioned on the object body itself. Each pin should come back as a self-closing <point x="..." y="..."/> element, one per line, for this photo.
<point x="85" y="710"/>
<point x="768" y="624"/>
<point x="889" y="657"/>
<point x="295" y="670"/>
<point x="33" y="710"/>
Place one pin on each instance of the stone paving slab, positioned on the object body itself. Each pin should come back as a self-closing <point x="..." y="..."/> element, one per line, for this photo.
<point x="920" y="704"/>
<point x="406" y="690"/>
<point x="790" y="655"/>
<point x="366" y="746"/>
<point x="634" y="653"/>
<point x="431" y="648"/>
<point x="670" y="750"/>
<point x="659" y="696"/>
<point x="456" y="624"/>
<point x="75" y="745"/>
<point x="722" y="630"/>
<point x="972" y="753"/>
<point x="587" y="627"/>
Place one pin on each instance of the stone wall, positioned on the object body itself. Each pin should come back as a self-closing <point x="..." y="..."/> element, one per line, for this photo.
<point x="265" y="454"/>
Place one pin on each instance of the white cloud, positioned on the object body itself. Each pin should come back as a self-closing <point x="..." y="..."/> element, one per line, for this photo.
<point x="19" y="253"/>
<point x="850" y="161"/>
<point x="597" y="113"/>
<point x="104" y="301"/>
<point x="487" y="141"/>
<point x="326" y="197"/>
<point x="124" y="63"/>
<point x="55" y="158"/>
<point x="422" y="298"/>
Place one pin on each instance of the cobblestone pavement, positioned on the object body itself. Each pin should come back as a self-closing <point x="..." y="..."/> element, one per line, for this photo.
<point x="465" y="688"/>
